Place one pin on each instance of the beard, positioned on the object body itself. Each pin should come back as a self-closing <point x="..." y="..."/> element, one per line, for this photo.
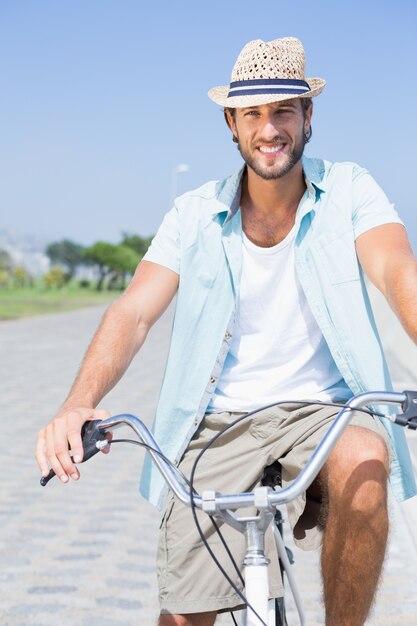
<point x="274" y="170"/>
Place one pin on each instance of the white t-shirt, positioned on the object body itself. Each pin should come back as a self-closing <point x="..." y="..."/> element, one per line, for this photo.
<point x="277" y="350"/>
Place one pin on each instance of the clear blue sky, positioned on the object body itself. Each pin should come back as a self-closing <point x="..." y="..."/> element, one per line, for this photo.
<point x="100" y="99"/>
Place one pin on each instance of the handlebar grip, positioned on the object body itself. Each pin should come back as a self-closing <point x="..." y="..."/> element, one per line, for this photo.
<point x="45" y="479"/>
<point x="408" y="417"/>
<point x="90" y="435"/>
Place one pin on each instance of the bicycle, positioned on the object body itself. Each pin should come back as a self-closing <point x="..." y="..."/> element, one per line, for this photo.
<point x="266" y="498"/>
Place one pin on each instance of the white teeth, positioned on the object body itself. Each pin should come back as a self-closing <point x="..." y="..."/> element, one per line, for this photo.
<point x="271" y="149"/>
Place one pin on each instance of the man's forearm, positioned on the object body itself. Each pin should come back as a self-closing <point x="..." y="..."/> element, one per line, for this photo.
<point x="120" y="335"/>
<point x="401" y="293"/>
<point x="118" y="338"/>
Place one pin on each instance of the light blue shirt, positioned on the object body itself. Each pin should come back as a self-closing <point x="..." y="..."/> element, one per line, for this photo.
<point x="201" y="240"/>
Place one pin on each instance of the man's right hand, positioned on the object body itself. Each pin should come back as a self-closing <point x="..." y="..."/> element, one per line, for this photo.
<point x="61" y="434"/>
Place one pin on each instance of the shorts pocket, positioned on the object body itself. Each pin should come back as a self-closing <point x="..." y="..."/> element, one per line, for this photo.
<point x="265" y="423"/>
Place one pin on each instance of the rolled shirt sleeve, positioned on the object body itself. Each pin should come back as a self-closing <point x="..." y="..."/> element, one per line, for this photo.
<point x="371" y="206"/>
<point x="165" y="246"/>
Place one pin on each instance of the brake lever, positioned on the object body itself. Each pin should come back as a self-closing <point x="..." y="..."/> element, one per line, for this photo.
<point x="408" y="417"/>
<point x="91" y="436"/>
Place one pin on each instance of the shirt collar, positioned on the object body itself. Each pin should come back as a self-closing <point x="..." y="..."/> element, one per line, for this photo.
<point x="314" y="174"/>
<point x="228" y="190"/>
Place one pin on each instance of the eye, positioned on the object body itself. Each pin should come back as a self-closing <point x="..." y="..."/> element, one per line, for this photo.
<point x="252" y="113"/>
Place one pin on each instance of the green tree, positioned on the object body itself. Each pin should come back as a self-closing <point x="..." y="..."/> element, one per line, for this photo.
<point x="4" y="278"/>
<point x="55" y="278"/>
<point x="5" y="260"/>
<point x="20" y="276"/>
<point x="67" y="254"/>
<point x="137" y="243"/>
<point x="6" y="265"/>
<point x="114" y="261"/>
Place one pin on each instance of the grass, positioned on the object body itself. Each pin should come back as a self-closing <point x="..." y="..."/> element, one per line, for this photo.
<point x="18" y="302"/>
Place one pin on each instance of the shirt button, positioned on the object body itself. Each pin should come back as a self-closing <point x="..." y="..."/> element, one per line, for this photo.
<point x="213" y="379"/>
<point x="228" y="336"/>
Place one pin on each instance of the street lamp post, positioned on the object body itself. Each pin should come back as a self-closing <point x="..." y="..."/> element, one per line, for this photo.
<point x="178" y="169"/>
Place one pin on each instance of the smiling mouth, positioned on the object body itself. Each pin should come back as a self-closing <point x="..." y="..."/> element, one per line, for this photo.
<point x="271" y="150"/>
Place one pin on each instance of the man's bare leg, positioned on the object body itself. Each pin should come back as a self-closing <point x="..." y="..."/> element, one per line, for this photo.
<point x="356" y="529"/>
<point x="193" y="619"/>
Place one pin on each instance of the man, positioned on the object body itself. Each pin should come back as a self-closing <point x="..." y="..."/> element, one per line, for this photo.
<point x="271" y="305"/>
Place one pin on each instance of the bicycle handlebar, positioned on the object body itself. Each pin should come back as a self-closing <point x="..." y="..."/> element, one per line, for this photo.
<point x="263" y="497"/>
<point x="266" y="496"/>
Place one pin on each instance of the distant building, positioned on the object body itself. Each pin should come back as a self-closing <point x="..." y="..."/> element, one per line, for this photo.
<point x="25" y="250"/>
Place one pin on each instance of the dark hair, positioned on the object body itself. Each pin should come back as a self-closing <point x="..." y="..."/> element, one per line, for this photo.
<point x="306" y="103"/>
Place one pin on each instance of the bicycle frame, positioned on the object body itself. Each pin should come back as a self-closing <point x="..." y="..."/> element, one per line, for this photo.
<point x="264" y="499"/>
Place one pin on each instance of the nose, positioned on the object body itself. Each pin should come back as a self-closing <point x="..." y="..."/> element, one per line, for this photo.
<point x="270" y="131"/>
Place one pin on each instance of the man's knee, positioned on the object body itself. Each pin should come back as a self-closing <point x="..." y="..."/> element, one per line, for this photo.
<point x="357" y="469"/>
<point x="358" y="447"/>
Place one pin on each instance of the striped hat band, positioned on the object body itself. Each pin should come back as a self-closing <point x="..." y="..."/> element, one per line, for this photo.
<point x="267" y="86"/>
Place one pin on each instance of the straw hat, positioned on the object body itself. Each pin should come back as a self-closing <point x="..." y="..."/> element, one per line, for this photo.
<point x="268" y="71"/>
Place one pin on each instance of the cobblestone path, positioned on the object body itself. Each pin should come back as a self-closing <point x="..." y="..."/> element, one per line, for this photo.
<point x="83" y="554"/>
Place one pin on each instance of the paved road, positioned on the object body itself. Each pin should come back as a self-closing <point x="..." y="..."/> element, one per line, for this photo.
<point x="83" y="554"/>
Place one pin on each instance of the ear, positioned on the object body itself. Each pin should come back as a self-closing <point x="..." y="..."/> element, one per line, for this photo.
<point x="231" y="123"/>
<point x="307" y="117"/>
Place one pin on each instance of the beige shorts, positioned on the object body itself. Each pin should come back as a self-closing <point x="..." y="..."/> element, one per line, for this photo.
<point x="189" y="581"/>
